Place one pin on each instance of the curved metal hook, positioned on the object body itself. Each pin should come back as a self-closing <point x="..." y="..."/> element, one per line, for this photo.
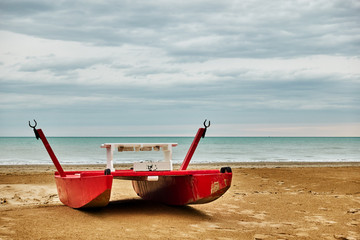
<point x="205" y="124"/>
<point x="34" y="128"/>
<point x="34" y="125"/>
<point x="205" y="128"/>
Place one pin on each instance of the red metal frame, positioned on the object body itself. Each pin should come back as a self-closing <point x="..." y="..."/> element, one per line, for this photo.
<point x="192" y="148"/>
<point x="51" y="153"/>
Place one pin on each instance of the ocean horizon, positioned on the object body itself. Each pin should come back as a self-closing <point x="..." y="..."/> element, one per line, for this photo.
<point x="86" y="150"/>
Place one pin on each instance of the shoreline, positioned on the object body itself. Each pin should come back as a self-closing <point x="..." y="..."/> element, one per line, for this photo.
<point x="71" y="167"/>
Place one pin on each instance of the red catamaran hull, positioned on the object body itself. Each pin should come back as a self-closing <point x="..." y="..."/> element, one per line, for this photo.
<point x="90" y="191"/>
<point x="182" y="190"/>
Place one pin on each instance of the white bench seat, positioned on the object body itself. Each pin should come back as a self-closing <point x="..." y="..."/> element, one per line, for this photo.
<point x="165" y="165"/>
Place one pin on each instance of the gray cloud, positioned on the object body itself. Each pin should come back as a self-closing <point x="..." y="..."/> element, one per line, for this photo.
<point x="59" y="67"/>
<point x="126" y="62"/>
<point x="200" y="29"/>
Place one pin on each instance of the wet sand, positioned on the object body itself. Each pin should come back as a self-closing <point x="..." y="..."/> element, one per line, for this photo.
<point x="265" y="201"/>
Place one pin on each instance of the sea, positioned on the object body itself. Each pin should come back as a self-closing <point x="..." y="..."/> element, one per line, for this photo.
<point x="86" y="150"/>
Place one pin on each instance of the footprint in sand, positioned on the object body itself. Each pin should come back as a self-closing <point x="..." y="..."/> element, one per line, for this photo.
<point x="354" y="211"/>
<point x="350" y="236"/>
<point x="258" y="215"/>
<point x="261" y="236"/>
<point x="354" y="222"/>
<point x="319" y="219"/>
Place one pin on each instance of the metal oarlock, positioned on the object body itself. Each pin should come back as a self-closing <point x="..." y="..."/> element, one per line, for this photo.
<point x="205" y="128"/>
<point x="35" y="131"/>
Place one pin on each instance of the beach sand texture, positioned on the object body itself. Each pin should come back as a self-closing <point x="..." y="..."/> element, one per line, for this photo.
<point x="287" y="202"/>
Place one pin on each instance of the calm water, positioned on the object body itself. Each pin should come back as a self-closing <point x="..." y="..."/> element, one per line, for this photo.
<point x="28" y="150"/>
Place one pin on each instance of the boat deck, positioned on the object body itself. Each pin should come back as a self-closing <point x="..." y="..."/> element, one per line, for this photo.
<point x="135" y="175"/>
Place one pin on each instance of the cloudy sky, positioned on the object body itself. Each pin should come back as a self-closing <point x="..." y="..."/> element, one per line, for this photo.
<point x="121" y="68"/>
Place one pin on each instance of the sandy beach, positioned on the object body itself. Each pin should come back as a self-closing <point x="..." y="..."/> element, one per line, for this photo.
<point x="265" y="201"/>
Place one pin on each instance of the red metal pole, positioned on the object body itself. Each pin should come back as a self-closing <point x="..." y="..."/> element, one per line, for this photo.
<point x="51" y="153"/>
<point x="192" y="149"/>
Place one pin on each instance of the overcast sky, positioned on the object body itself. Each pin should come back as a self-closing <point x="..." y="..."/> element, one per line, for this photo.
<point x="121" y="68"/>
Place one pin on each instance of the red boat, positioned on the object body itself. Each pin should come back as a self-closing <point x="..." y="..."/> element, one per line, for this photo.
<point x="155" y="181"/>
